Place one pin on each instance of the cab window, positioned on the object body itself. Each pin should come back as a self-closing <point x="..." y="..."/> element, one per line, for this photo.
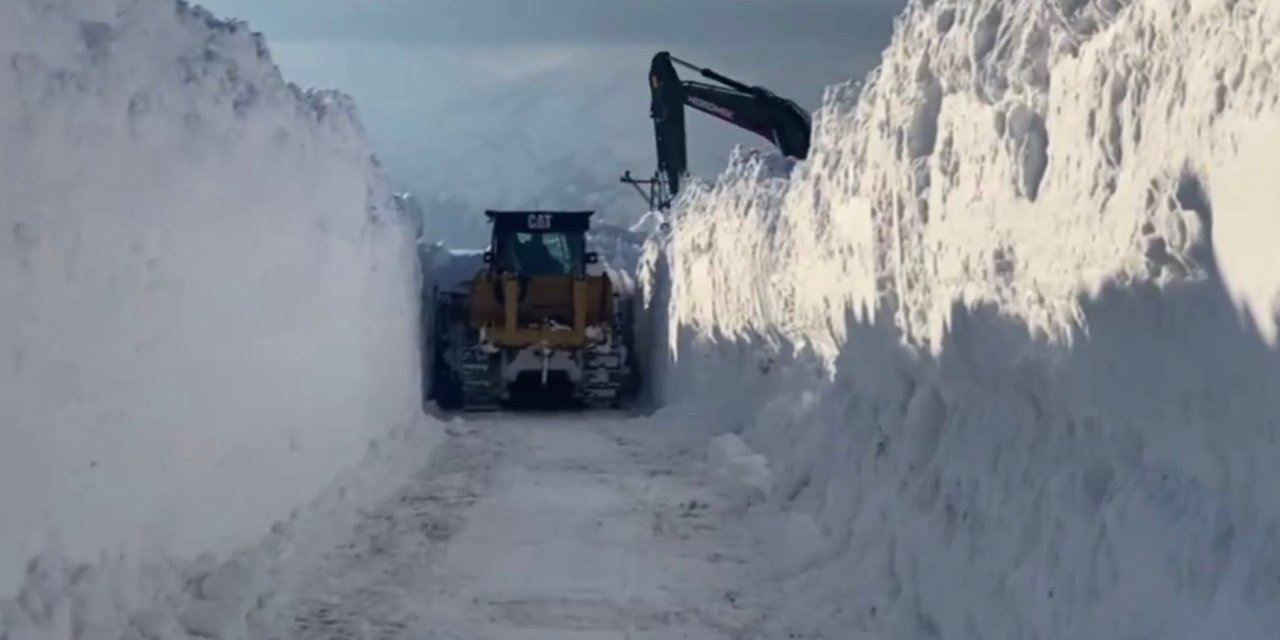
<point x="543" y="254"/>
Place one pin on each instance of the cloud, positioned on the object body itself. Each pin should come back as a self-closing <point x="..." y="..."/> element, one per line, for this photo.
<point x="859" y="24"/>
<point x="478" y="103"/>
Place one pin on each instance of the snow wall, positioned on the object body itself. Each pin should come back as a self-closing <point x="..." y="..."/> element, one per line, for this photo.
<point x="209" y="296"/>
<point x="1008" y="337"/>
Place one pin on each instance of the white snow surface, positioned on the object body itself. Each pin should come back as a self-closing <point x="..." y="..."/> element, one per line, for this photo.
<point x="234" y="595"/>
<point x="544" y="527"/>
<point x="1008" y="336"/>
<point x="208" y="302"/>
<point x="739" y="470"/>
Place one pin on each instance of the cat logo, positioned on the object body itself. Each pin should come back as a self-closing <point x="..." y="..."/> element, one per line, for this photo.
<point x="539" y="221"/>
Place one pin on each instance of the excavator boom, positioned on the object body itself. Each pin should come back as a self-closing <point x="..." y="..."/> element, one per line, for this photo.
<point x="755" y="109"/>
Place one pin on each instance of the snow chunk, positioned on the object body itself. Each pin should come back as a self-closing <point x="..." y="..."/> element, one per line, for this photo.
<point x="738" y="469"/>
<point x="212" y="618"/>
<point x="233" y="580"/>
<point x="795" y="541"/>
<point x="154" y="624"/>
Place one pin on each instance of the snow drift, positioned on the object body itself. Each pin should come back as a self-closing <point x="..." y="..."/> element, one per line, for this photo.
<point x="209" y="293"/>
<point x="1010" y="331"/>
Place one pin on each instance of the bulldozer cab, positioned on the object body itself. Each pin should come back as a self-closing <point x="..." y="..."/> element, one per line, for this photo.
<point x="539" y="243"/>
<point x="537" y="275"/>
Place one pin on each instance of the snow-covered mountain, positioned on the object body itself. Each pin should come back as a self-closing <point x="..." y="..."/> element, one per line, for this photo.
<point x="208" y="299"/>
<point x="557" y="138"/>
<point x="537" y="125"/>
<point x="487" y="105"/>
<point x="1011" y="330"/>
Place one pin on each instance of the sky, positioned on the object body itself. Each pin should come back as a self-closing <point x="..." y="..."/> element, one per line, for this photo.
<point x="472" y="22"/>
<point x="475" y="103"/>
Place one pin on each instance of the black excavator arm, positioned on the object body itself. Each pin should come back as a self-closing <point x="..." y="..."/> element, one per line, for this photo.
<point x="755" y="109"/>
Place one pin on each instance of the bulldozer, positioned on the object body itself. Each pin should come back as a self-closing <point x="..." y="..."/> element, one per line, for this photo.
<point x="542" y="323"/>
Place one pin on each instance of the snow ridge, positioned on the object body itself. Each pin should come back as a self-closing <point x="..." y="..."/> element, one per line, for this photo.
<point x="1011" y="328"/>
<point x="209" y="290"/>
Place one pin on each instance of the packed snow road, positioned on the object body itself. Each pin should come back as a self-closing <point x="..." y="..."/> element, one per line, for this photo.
<point x="549" y="527"/>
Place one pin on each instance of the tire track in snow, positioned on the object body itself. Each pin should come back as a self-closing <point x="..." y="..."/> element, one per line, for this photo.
<point x="364" y="589"/>
<point x="543" y="527"/>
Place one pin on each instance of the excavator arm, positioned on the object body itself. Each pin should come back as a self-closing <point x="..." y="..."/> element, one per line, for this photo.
<point x="755" y="109"/>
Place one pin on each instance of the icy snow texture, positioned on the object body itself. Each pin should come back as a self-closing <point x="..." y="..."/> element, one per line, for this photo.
<point x="1011" y="328"/>
<point x="208" y="292"/>
<point x="738" y="469"/>
<point x="175" y="599"/>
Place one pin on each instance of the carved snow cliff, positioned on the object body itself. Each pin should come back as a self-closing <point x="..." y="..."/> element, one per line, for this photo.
<point x="1012" y="327"/>
<point x="208" y="292"/>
